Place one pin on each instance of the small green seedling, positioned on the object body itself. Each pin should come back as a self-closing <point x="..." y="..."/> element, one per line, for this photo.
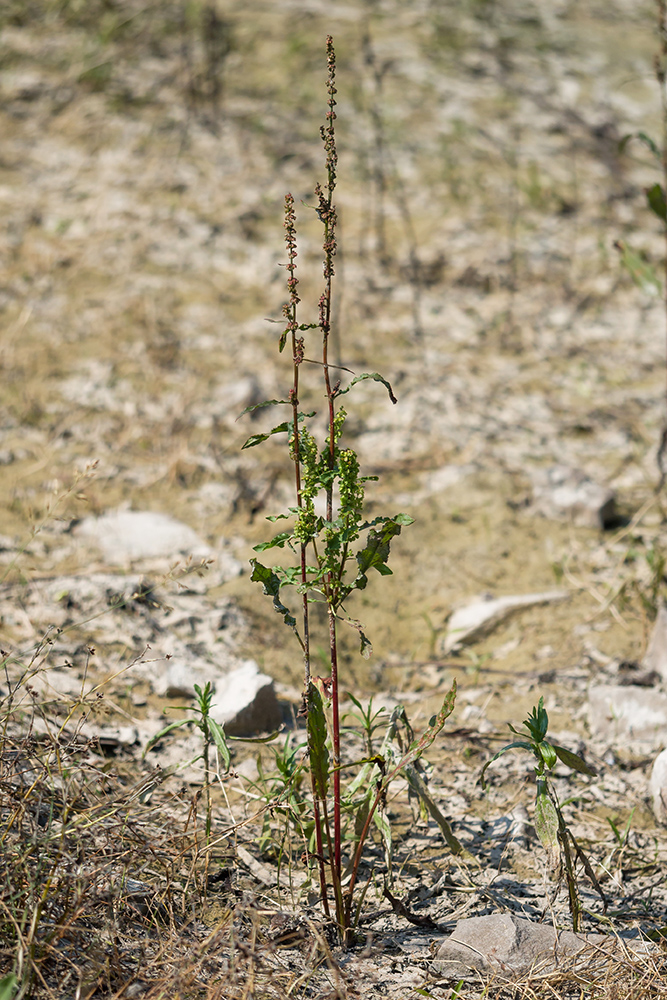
<point x="555" y="836"/>
<point x="213" y="737"/>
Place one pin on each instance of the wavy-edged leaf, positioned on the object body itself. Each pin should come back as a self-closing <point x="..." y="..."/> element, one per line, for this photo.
<point x="271" y="587"/>
<point x="260" y="406"/>
<point x="376" y="377"/>
<point x="516" y="745"/>
<point x="419" y="746"/>
<point x="317" y="742"/>
<point x="574" y="761"/>
<point x="278" y="541"/>
<point x="376" y="552"/>
<point x="401" y="519"/>
<point x="366" y="646"/>
<point x="283" y="428"/>
<point x="256" y="439"/>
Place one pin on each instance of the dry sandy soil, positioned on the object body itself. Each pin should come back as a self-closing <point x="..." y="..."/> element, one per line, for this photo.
<point x="146" y="151"/>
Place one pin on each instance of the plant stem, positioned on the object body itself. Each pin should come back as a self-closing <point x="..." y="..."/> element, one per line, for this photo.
<point x="327" y="213"/>
<point x="661" y="76"/>
<point x="290" y="312"/>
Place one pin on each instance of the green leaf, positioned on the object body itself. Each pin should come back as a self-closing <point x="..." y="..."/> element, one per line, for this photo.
<point x="640" y="270"/>
<point x="278" y="541"/>
<point x="256" y="439"/>
<point x="421" y="788"/>
<point x="257" y="739"/>
<point x="417" y="748"/>
<point x="361" y="813"/>
<point x="218" y="734"/>
<point x="643" y="138"/>
<point x="317" y="742"/>
<point x="271" y="587"/>
<point x="516" y="745"/>
<point x="574" y="761"/>
<point x="537" y="722"/>
<point x="163" y="732"/>
<point x="547" y="753"/>
<point x="283" y="428"/>
<point x="655" y="196"/>
<point x="376" y="552"/>
<point x="546" y="825"/>
<point x="259" y="406"/>
<point x="8" y="986"/>
<point x="205" y="697"/>
<point x="376" y="378"/>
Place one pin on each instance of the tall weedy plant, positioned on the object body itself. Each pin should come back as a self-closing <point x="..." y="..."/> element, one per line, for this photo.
<point x="330" y="560"/>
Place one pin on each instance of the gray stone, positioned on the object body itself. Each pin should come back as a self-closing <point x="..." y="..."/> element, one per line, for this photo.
<point x="510" y="946"/>
<point x="564" y="493"/>
<point x="656" y="654"/>
<point x="618" y="713"/>
<point x="126" y="535"/>
<point x="658" y="787"/>
<point x="182" y="671"/>
<point x="482" y="615"/>
<point x="245" y="701"/>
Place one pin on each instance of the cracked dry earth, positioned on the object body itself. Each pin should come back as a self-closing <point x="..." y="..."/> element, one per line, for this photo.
<point x="481" y="194"/>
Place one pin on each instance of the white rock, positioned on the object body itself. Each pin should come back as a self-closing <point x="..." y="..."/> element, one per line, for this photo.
<point x="181" y="673"/>
<point x="561" y="492"/>
<point x="618" y="713"/>
<point x="658" y="787"/>
<point x="656" y="654"/>
<point x="126" y="535"/>
<point x="245" y="701"/>
<point x="483" y="614"/>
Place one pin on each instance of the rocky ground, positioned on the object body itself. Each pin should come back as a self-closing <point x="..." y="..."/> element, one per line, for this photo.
<point x="484" y="205"/>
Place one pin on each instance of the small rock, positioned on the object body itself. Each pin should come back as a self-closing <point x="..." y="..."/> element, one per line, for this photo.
<point x="182" y="672"/>
<point x="510" y="946"/>
<point x="656" y="654"/>
<point x="561" y="492"/>
<point x="618" y="712"/>
<point x="111" y="738"/>
<point x="126" y="535"/>
<point x="245" y="701"/>
<point x="658" y="787"/>
<point x="482" y="615"/>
